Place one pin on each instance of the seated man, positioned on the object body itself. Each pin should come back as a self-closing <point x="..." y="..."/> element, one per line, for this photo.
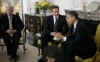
<point x="77" y="40"/>
<point x="11" y="26"/>
<point x="53" y="24"/>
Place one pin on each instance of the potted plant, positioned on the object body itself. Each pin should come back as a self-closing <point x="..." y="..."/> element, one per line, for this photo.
<point x="43" y="6"/>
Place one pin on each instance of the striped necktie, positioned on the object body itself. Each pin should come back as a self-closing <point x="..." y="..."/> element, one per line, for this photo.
<point x="10" y="21"/>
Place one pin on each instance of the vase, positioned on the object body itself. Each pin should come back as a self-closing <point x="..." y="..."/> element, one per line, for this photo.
<point x="43" y="12"/>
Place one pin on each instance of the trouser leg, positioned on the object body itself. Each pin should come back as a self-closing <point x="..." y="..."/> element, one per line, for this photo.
<point x="68" y="54"/>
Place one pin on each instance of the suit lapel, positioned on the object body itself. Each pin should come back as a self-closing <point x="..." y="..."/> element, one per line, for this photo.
<point x="6" y="19"/>
<point x="13" y="19"/>
<point x="77" y="27"/>
<point x="52" y="22"/>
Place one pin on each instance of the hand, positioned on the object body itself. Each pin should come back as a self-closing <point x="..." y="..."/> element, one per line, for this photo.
<point x="9" y="31"/>
<point x="59" y="36"/>
<point x="53" y="33"/>
<point x="13" y="31"/>
<point x="50" y="59"/>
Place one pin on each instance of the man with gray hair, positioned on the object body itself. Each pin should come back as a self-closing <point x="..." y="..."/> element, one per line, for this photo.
<point x="11" y="26"/>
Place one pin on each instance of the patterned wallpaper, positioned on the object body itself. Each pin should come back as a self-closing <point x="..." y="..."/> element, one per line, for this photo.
<point x="89" y="15"/>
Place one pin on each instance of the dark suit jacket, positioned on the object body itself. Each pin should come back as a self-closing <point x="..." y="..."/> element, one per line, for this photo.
<point x="53" y="51"/>
<point x="49" y="24"/>
<point x="82" y="41"/>
<point x="16" y="22"/>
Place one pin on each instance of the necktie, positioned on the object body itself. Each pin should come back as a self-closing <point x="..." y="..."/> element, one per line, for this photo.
<point x="73" y="29"/>
<point x="56" y="18"/>
<point x="10" y="22"/>
<point x="55" y="25"/>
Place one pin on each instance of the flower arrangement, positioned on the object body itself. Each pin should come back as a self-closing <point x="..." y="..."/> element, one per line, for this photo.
<point x="43" y="5"/>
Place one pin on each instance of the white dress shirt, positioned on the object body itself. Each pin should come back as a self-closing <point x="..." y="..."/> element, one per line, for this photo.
<point x="54" y="18"/>
<point x="75" y="25"/>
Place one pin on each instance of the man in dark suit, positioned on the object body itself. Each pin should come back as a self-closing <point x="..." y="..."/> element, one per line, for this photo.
<point x="53" y="24"/>
<point x="11" y="26"/>
<point x="79" y="42"/>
